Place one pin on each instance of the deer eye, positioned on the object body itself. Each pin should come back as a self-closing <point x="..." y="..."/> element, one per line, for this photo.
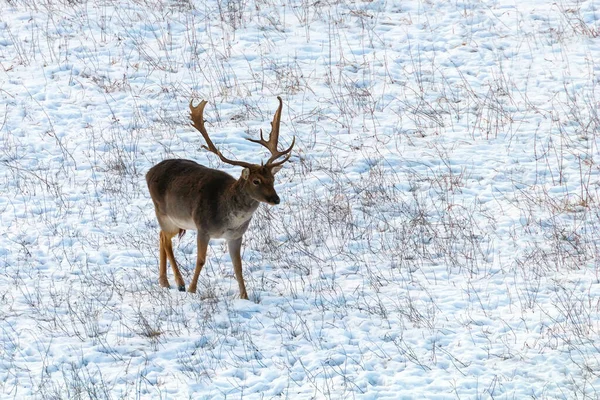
<point x="256" y="182"/>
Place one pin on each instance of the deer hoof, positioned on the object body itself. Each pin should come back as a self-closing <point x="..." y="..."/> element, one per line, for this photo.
<point x="164" y="283"/>
<point x="181" y="288"/>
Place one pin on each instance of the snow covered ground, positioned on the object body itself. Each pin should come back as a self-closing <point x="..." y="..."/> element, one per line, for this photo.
<point x="439" y="231"/>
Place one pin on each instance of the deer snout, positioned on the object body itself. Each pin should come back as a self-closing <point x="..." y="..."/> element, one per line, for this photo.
<point x="274" y="199"/>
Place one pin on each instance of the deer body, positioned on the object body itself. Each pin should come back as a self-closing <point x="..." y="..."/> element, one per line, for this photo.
<point x="187" y="195"/>
<point x="199" y="198"/>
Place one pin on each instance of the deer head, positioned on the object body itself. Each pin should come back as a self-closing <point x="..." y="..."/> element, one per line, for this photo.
<point x="257" y="180"/>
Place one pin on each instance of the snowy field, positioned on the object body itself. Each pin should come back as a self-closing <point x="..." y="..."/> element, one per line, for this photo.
<point x="439" y="230"/>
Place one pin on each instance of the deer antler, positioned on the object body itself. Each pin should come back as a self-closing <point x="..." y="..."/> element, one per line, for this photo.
<point x="271" y="144"/>
<point x="197" y="117"/>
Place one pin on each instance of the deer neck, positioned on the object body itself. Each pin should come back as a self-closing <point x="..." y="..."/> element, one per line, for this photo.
<point x="241" y="202"/>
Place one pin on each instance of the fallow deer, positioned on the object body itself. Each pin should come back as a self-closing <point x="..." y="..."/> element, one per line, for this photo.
<point x="187" y="195"/>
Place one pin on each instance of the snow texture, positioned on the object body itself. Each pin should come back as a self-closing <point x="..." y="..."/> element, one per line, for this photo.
<point x="439" y="230"/>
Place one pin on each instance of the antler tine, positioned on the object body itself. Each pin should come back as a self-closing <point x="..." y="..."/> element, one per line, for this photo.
<point x="287" y="154"/>
<point x="197" y="117"/>
<point x="271" y="144"/>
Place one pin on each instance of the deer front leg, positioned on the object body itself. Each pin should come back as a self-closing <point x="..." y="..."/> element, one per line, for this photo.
<point x="200" y="260"/>
<point x="234" y="246"/>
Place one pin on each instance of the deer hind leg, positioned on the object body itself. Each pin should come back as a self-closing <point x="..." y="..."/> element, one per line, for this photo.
<point x="166" y="251"/>
<point x="200" y="260"/>
<point x="234" y="247"/>
<point x="162" y="266"/>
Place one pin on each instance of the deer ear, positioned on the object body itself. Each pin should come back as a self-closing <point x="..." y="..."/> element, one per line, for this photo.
<point x="276" y="169"/>
<point x="245" y="173"/>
